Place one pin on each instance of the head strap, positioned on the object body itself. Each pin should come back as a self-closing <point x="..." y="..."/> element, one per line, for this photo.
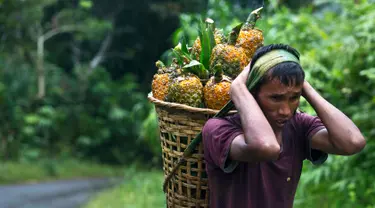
<point x="272" y="58"/>
<point x="266" y="62"/>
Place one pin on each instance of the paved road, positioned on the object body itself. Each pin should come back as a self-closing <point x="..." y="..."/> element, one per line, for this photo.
<point x="57" y="194"/>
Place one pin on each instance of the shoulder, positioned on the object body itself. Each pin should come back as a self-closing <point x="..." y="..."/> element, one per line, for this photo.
<point x="218" y="123"/>
<point x="306" y="124"/>
<point x="217" y="136"/>
<point x="302" y="118"/>
<point x="221" y="127"/>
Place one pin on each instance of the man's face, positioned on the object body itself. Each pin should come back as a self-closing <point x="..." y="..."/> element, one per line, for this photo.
<point x="278" y="101"/>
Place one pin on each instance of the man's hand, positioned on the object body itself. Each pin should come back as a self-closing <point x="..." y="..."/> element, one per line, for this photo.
<point x="306" y="86"/>
<point x="242" y="77"/>
<point x="240" y="82"/>
<point x="341" y="135"/>
<point x="258" y="141"/>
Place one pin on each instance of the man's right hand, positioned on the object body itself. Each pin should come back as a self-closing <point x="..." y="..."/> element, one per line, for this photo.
<point x="242" y="77"/>
<point x="258" y="141"/>
<point x="240" y="82"/>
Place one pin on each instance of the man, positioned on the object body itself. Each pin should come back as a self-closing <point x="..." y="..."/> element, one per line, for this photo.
<point x="254" y="157"/>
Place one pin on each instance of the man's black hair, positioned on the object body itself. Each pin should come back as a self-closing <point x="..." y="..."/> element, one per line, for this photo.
<point x="289" y="73"/>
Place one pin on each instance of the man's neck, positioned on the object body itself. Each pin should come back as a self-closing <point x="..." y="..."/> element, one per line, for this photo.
<point x="278" y="133"/>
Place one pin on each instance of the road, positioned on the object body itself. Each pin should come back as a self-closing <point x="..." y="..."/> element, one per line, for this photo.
<point x="56" y="194"/>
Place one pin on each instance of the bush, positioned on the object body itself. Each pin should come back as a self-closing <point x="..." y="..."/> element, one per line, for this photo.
<point x="89" y="117"/>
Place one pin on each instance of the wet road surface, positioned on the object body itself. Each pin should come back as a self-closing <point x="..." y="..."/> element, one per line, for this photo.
<point x="56" y="194"/>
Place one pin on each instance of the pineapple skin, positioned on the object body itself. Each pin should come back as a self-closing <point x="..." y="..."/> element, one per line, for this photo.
<point x="250" y="41"/>
<point x="196" y="49"/>
<point x="160" y="85"/>
<point x="216" y="94"/>
<point x="233" y="59"/>
<point x="186" y="89"/>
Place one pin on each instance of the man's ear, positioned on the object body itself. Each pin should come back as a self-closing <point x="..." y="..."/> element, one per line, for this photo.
<point x="255" y="93"/>
<point x="255" y="90"/>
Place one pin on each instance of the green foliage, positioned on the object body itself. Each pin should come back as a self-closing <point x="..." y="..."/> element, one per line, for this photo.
<point x="140" y="189"/>
<point x="224" y="15"/>
<point x="47" y="169"/>
<point x="85" y="113"/>
<point x="207" y="40"/>
<point x="150" y="135"/>
<point x="105" y="117"/>
<point x="87" y="4"/>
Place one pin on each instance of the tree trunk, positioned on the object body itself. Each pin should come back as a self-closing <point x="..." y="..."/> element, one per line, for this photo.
<point x="4" y="148"/>
<point x="40" y="52"/>
<point x="40" y="69"/>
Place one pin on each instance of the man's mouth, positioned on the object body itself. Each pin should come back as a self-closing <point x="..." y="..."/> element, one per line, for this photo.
<point x="281" y="122"/>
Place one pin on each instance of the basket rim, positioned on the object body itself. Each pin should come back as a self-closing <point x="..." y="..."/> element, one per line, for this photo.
<point x="184" y="107"/>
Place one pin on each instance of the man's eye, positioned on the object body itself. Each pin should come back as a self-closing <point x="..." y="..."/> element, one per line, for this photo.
<point x="276" y="98"/>
<point x="295" y="97"/>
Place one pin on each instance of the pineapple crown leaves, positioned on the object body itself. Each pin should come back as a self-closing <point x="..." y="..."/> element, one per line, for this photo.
<point x="187" y="63"/>
<point x="219" y="74"/>
<point x="197" y="68"/>
<point x="185" y="59"/>
<point x="233" y="35"/>
<point x="184" y="47"/>
<point x="252" y="19"/>
<point x="181" y="53"/>
<point x="160" y="65"/>
<point x="207" y="39"/>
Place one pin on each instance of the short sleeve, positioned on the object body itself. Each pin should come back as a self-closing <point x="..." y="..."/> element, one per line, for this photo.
<point x="310" y="125"/>
<point x="218" y="135"/>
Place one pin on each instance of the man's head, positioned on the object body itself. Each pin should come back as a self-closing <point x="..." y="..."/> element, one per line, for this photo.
<point x="279" y="90"/>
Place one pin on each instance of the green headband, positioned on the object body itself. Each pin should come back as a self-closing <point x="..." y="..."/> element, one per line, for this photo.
<point x="266" y="62"/>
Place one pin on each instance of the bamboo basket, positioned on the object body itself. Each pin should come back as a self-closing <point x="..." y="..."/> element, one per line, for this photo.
<point x="178" y="125"/>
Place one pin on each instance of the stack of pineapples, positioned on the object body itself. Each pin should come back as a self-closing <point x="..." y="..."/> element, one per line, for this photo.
<point x="201" y="75"/>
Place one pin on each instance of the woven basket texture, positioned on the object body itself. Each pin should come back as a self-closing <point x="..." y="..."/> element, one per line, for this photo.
<point x="178" y="125"/>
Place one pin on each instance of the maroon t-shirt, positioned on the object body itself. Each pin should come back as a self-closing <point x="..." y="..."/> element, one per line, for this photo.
<point x="270" y="184"/>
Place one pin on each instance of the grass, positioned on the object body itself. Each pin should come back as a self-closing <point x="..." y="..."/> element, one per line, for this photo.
<point x="141" y="189"/>
<point x="30" y="172"/>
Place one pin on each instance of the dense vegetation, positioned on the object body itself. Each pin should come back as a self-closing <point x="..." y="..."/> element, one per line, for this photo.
<point x="71" y="74"/>
<point x="74" y="76"/>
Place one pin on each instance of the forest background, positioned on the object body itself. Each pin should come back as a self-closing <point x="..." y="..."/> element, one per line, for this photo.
<point x="74" y="78"/>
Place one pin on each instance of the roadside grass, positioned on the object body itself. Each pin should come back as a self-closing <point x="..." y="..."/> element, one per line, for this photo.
<point x="45" y="170"/>
<point x="140" y="189"/>
<point x="143" y="189"/>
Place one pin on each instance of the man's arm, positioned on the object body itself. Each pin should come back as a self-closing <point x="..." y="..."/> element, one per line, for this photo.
<point x="341" y="135"/>
<point x="258" y="143"/>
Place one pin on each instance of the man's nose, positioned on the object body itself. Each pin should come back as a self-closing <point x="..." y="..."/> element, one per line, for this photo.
<point x="285" y="109"/>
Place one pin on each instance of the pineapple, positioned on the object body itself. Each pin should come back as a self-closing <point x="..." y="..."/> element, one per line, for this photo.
<point x="210" y="35"/>
<point x="162" y="79"/>
<point x="216" y="91"/>
<point x="249" y="37"/>
<point x="232" y="59"/>
<point x="186" y="89"/>
<point x="160" y="82"/>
